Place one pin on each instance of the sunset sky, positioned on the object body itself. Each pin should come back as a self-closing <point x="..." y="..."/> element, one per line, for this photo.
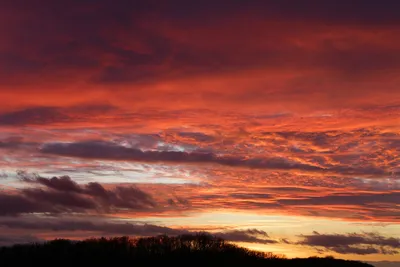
<point x="274" y="124"/>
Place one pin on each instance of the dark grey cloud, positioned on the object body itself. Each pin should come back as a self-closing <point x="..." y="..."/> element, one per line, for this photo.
<point x="12" y="142"/>
<point x="359" y="251"/>
<point x="63" y="199"/>
<point x="48" y="115"/>
<point x="385" y="263"/>
<point x="103" y="227"/>
<point x="112" y="151"/>
<point x="290" y="189"/>
<point x="361" y="199"/>
<point x="63" y="195"/>
<point x="143" y="141"/>
<point x="364" y="250"/>
<point x="63" y="183"/>
<point x="13" y="64"/>
<point x="67" y="35"/>
<point x="354" y="243"/>
<point x="38" y="115"/>
<point x="358" y="10"/>
<point x="197" y="136"/>
<point x="12" y="204"/>
<point x="123" y="197"/>
<point x="333" y="12"/>
<point x="250" y="236"/>
<point x="10" y="239"/>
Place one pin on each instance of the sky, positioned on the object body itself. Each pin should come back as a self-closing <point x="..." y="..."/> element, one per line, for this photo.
<point x="272" y="124"/>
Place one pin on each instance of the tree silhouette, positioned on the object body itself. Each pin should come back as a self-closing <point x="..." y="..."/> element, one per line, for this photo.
<point x="185" y="250"/>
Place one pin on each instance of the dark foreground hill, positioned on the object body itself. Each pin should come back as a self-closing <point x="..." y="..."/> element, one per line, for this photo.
<point x="185" y="250"/>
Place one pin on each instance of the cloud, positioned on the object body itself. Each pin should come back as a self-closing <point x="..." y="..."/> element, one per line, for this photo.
<point x="50" y="115"/>
<point x="112" y="151"/>
<point x="13" y="64"/>
<point x="105" y="227"/>
<point x="62" y="195"/>
<point x="361" y="199"/>
<point x="309" y="10"/>
<point x="63" y="183"/>
<point x="121" y="197"/>
<point x="40" y="115"/>
<point x="7" y="239"/>
<point x="102" y="227"/>
<point x="17" y="204"/>
<point x="359" y="251"/>
<point x="197" y="136"/>
<point x="362" y="244"/>
<point x="211" y="111"/>
<point x="384" y="263"/>
<point x="63" y="199"/>
<point x="250" y="236"/>
<point x="11" y="142"/>
<point x="141" y="50"/>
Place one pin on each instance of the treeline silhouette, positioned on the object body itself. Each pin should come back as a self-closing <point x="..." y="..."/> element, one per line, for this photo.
<point x="184" y="250"/>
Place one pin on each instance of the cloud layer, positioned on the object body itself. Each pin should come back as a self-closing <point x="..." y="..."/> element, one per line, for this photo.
<point x="62" y="195"/>
<point x="366" y="243"/>
<point x="147" y="110"/>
